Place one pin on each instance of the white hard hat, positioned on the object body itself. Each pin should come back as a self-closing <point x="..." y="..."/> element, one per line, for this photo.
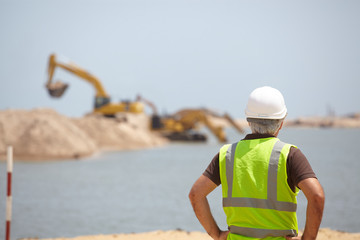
<point x="266" y="103"/>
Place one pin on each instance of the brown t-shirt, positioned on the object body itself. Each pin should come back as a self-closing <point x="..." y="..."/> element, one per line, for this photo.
<point x="297" y="166"/>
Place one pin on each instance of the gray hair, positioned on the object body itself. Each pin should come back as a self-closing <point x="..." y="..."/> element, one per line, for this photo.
<point x="264" y="126"/>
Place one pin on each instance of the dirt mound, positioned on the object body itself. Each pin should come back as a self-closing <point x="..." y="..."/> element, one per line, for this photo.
<point x="45" y="134"/>
<point x="127" y="132"/>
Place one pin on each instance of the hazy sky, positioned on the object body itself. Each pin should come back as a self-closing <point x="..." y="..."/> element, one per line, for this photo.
<point x="183" y="53"/>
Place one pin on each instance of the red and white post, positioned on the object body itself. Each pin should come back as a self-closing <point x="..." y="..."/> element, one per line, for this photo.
<point x="9" y="196"/>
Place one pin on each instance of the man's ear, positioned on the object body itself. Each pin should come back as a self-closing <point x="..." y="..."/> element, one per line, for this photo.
<point x="281" y="124"/>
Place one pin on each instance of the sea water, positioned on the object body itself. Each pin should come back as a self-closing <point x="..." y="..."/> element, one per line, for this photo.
<point x="147" y="190"/>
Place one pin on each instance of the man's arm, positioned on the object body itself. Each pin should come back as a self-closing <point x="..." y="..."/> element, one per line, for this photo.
<point x="315" y="206"/>
<point x="201" y="188"/>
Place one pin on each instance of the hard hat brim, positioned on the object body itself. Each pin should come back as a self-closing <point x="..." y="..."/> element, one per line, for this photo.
<point x="279" y="115"/>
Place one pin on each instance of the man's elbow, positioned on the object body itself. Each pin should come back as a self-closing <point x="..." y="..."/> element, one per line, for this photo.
<point x="201" y="188"/>
<point x="318" y="199"/>
<point x="313" y="191"/>
<point x="192" y="195"/>
<point x="195" y="196"/>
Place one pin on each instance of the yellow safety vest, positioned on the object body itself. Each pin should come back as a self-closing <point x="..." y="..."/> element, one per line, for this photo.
<point x="257" y="200"/>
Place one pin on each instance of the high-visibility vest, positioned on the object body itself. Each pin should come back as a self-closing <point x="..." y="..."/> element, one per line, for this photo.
<point x="257" y="200"/>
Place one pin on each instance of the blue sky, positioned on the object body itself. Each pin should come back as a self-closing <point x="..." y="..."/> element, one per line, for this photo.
<point x="184" y="53"/>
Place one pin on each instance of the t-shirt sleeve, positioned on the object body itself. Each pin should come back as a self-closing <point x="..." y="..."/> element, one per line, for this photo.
<point x="298" y="168"/>
<point x="213" y="170"/>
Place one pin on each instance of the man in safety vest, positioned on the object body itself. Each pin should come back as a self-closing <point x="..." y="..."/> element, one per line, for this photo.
<point x="260" y="178"/>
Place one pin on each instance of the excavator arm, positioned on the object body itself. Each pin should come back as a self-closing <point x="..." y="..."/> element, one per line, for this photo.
<point x="190" y="118"/>
<point x="216" y="130"/>
<point x="149" y="103"/>
<point x="57" y="89"/>
<point x="233" y="123"/>
<point x="102" y="103"/>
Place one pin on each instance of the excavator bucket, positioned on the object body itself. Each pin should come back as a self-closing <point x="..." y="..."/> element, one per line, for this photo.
<point x="56" y="89"/>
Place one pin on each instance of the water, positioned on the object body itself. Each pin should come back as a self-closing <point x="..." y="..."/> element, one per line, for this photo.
<point x="139" y="191"/>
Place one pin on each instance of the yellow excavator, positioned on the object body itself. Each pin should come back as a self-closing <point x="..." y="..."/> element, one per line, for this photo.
<point x="102" y="103"/>
<point x="183" y="125"/>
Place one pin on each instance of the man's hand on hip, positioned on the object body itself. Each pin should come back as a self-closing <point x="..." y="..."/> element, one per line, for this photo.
<point x="223" y="235"/>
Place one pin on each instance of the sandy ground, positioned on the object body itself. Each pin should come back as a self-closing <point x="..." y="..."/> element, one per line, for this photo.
<point x="350" y="121"/>
<point x="324" y="234"/>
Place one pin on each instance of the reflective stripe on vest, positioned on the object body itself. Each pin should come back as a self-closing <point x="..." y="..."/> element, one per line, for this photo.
<point x="270" y="203"/>
<point x="262" y="233"/>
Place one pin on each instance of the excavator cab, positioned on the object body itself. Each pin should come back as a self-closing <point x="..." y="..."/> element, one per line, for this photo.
<point x="56" y="89"/>
<point x="101" y="101"/>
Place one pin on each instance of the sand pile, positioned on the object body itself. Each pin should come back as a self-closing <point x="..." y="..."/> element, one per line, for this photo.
<point x="324" y="234"/>
<point x="45" y="134"/>
<point x="128" y="131"/>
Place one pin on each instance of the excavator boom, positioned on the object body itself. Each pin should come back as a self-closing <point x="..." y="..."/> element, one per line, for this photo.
<point x="102" y="103"/>
<point x="182" y="124"/>
<point x="57" y="89"/>
<point x="233" y="123"/>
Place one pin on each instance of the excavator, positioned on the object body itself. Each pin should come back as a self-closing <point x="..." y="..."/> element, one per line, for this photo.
<point x="183" y="125"/>
<point x="102" y="103"/>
